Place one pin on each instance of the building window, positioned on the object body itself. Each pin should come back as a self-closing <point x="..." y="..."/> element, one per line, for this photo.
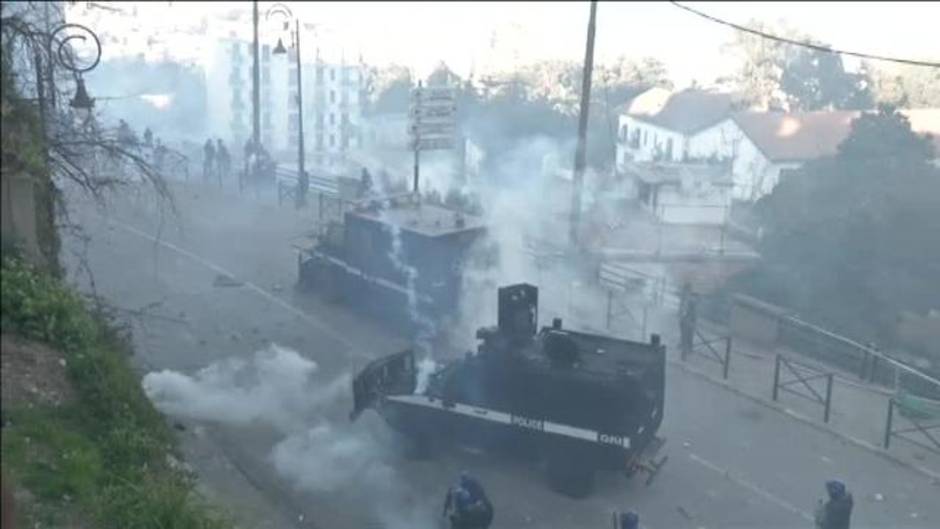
<point x="332" y="97"/>
<point x="319" y="75"/>
<point x="332" y="118"/>
<point x="669" y="149"/>
<point x="332" y="140"/>
<point x="332" y="74"/>
<point x="344" y="119"/>
<point x="623" y="133"/>
<point x="645" y="137"/>
<point x="319" y="141"/>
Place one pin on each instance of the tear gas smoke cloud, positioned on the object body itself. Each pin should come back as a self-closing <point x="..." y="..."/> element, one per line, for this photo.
<point x="272" y="387"/>
<point x="279" y="388"/>
<point x="426" y="367"/>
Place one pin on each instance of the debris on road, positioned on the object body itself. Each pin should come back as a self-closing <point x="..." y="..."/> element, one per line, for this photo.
<point x="223" y="280"/>
<point x="683" y="512"/>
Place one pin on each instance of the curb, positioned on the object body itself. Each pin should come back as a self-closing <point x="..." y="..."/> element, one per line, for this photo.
<point x="930" y="474"/>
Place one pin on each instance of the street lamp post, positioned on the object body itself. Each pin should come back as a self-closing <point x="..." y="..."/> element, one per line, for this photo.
<point x="255" y="84"/>
<point x="82" y="103"/>
<point x="303" y="182"/>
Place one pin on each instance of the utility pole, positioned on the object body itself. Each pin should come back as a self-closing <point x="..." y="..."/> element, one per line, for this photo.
<point x="417" y="139"/>
<point x="302" y="182"/>
<point x="256" y="85"/>
<point x="580" y="152"/>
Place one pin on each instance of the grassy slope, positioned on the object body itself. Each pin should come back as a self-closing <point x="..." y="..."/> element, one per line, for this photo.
<point x="104" y="457"/>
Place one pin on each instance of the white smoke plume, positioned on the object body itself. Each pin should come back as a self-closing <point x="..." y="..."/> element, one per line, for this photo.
<point x="272" y="387"/>
<point x="526" y="202"/>
<point x="320" y="451"/>
<point x="426" y="367"/>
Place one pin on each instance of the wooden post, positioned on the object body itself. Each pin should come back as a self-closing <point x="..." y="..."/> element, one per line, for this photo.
<point x="581" y="150"/>
<point x="828" y="398"/>
<point x="776" y="376"/>
<point x="727" y="358"/>
<point x="610" y="298"/>
<point x="888" y="423"/>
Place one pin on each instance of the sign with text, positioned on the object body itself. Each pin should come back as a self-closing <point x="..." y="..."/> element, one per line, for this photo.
<point x="434" y="144"/>
<point x="433" y="116"/>
<point x="434" y="94"/>
<point x="443" y="128"/>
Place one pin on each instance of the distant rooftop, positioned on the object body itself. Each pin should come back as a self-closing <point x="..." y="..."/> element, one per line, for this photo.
<point x="688" y="111"/>
<point x="422" y="218"/>
<point x="800" y="136"/>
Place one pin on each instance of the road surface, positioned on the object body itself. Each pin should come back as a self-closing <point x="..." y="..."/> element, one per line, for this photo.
<point x="733" y="463"/>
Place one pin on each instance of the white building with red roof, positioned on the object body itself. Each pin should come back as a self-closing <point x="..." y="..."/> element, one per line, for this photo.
<point x="759" y="148"/>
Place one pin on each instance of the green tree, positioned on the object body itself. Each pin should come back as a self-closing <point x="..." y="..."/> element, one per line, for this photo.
<point x="773" y="74"/>
<point x="854" y="239"/>
<point x="906" y="86"/>
<point x="817" y="80"/>
<point x="388" y="89"/>
<point x="760" y="64"/>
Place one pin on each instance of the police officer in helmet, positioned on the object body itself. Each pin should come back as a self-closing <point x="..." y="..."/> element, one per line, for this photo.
<point x="837" y="512"/>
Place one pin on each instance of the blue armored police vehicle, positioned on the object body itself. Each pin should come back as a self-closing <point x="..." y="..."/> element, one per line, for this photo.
<point x="582" y="402"/>
<point x="397" y="257"/>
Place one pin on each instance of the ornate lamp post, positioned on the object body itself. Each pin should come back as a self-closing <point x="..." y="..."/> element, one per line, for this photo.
<point x="59" y="46"/>
<point x="303" y="182"/>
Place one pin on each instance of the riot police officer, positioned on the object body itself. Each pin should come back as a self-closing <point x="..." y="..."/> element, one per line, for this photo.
<point x="837" y="512"/>
<point x="467" y="505"/>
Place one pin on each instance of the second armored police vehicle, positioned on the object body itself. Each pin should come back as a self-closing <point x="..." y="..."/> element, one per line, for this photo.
<point x="583" y="402"/>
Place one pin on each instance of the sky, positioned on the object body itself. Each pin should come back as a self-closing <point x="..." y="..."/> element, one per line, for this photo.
<point x="420" y="34"/>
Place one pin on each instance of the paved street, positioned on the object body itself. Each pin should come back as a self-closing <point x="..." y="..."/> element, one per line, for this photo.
<point x="733" y="463"/>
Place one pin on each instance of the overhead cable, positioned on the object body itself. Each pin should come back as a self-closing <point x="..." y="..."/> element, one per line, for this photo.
<point x="803" y="44"/>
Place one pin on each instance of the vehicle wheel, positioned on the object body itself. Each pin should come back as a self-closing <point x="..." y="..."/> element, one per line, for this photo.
<point x="566" y="477"/>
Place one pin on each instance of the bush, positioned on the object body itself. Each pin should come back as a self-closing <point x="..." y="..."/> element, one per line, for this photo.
<point x="37" y="307"/>
<point x="108" y="450"/>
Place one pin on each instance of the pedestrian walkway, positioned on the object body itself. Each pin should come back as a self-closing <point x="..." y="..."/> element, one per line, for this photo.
<point x="858" y="410"/>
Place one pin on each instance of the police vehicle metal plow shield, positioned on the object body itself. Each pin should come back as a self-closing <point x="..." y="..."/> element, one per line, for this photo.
<point x="583" y="402"/>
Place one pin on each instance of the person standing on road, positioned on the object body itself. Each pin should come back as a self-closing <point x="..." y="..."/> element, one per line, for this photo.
<point x="480" y="510"/>
<point x="159" y="155"/>
<point x="125" y="135"/>
<point x="224" y="165"/>
<point x="627" y="520"/>
<point x="208" y="160"/>
<point x="688" y="316"/>
<point x="365" y="183"/>
<point x="455" y="508"/>
<point x="837" y="512"/>
<point x="467" y="505"/>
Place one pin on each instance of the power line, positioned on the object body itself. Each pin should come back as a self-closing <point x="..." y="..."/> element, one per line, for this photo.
<point x="811" y="46"/>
